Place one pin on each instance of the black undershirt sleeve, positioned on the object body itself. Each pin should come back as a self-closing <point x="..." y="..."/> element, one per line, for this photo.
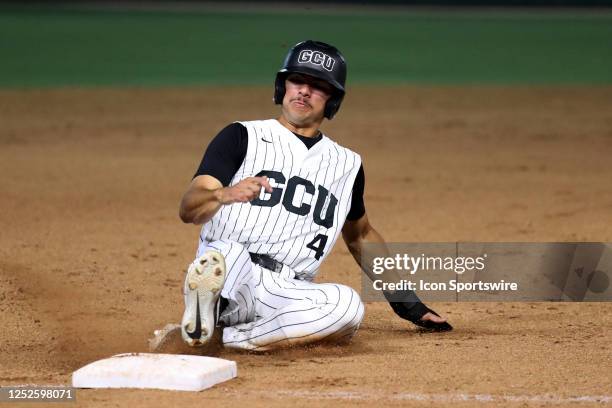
<point x="357" y="204"/>
<point x="225" y="154"/>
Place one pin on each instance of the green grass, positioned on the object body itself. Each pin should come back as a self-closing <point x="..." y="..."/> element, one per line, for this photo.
<point x="59" y="48"/>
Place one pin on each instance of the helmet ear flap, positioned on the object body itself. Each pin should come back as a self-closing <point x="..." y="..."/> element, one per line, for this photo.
<point x="332" y="106"/>
<point x="279" y="88"/>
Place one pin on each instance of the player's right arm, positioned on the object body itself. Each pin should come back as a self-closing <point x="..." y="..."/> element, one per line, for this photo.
<point x="206" y="195"/>
<point x="210" y="187"/>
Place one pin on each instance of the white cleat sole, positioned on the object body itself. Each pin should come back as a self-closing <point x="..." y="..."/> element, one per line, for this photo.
<point x="203" y="284"/>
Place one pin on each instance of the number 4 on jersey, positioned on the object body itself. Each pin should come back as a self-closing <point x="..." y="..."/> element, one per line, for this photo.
<point x="318" y="245"/>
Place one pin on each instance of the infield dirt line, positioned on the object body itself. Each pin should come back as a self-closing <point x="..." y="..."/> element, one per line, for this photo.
<point x="450" y="397"/>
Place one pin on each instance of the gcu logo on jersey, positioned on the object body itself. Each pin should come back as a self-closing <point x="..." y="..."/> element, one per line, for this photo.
<point x="317" y="58"/>
<point x="325" y="220"/>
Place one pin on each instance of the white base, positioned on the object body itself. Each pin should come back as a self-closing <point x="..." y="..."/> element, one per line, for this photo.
<point x="160" y="371"/>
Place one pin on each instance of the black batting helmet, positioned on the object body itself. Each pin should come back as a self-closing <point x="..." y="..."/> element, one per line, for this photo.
<point x="317" y="59"/>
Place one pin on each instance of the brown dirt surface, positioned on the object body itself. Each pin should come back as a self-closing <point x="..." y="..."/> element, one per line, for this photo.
<point x="92" y="252"/>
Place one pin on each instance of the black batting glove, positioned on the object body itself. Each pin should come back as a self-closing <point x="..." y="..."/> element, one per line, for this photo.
<point x="408" y="306"/>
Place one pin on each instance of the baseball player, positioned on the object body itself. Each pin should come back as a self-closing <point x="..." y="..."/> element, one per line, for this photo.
<point x="272" y="197"/>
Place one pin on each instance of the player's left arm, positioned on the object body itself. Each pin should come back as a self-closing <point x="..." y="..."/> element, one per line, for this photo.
<point x="359" y="232"/>
<point x="405" y="304"/>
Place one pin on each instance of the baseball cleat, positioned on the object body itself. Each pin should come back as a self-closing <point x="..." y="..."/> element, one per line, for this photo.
<point x="203" y="284"/>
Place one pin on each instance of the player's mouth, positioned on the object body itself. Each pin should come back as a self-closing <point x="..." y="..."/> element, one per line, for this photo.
<point x="300" y="103"/>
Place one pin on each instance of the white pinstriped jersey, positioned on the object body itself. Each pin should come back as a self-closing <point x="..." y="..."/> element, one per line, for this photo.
<point x="299" y="222"/>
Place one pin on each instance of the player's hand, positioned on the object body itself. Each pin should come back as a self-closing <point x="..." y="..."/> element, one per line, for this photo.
<point x="246" y="190"/>
<point x="407" y="305"/>
<point x="431" y="317"/>
<point x="420" y="315"/>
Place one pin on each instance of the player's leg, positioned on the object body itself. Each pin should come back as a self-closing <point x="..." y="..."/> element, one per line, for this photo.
<point x="221" y="268"/>
<point x="296" y="312"/>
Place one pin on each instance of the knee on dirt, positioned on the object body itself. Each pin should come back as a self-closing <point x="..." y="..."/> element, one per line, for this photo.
<point x="349" y="309"/>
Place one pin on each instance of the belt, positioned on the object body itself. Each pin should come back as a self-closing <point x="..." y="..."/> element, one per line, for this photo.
<point x="267" y="262"/>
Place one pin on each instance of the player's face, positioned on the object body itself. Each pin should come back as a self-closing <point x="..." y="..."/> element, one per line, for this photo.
<point x="305" y="98"/>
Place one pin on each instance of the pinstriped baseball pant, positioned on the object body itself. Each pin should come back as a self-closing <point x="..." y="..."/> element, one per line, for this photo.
<point x="273" y="309"/>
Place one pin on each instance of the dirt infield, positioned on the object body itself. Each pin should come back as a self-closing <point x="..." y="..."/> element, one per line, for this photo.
<point x="92" y="252"/>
